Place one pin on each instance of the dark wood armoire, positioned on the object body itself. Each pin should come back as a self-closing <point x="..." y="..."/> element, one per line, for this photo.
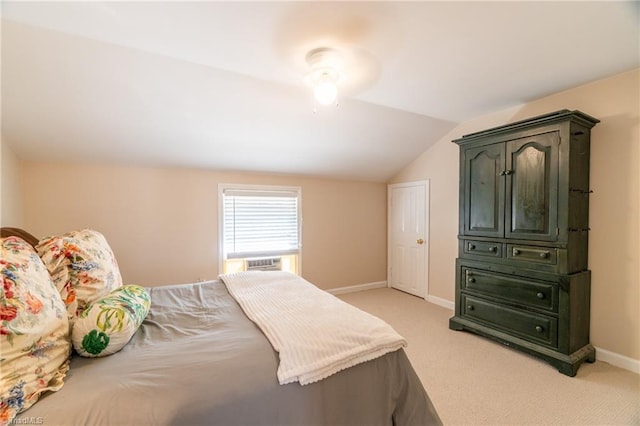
<point x="522" y="277"/>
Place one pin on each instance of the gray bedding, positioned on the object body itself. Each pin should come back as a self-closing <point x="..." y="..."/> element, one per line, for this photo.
<point x="198" y="360"/>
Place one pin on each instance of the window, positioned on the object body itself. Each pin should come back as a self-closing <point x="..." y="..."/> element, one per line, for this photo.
<point x="260" y="227"/>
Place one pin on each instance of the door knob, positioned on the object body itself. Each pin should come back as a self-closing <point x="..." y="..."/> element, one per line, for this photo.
<point x="420" y="241"/>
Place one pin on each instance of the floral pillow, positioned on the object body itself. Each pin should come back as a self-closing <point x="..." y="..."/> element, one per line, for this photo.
<point x="34" y="330"/>
<point x="82" y="266"/>
<point x="108" y="324"/>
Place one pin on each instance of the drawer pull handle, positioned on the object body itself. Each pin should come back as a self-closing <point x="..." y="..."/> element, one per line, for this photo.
<point x="544" y="254"/>
<point x="471" y="246"/>
<point x="539" y="329"/>
<point x="470" y="308"/>
<point x="516" y="252"/>
<point x="472" y="280"/>
<point x="540" y="295"/>
<point x="493" y="249"/>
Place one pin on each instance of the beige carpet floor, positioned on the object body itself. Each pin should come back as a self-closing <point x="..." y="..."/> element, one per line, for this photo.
<point x="474" y="381"/>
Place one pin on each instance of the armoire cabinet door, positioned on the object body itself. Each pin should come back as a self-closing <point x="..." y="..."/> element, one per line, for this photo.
<point x="532" y="187"/>
<point x="484" y="191"/>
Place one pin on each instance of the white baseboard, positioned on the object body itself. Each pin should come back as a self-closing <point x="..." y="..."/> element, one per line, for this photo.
<point x="359" y="287"/>
<point x="618" y="360"/>
<point x="440" y="302"/>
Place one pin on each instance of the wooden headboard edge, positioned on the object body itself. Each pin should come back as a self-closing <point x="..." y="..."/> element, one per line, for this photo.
<point x="17" y="232"/>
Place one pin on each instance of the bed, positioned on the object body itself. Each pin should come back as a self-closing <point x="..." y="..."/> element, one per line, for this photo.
<point x="198" y="359"/>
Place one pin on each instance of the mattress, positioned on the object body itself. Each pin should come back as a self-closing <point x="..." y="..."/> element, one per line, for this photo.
<point x="198" y="360"/>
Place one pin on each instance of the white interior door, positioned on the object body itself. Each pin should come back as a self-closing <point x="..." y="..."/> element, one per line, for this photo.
<point x="408" y="237"/>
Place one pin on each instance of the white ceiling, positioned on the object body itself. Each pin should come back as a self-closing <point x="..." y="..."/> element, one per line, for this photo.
<point x="218" y="85"/>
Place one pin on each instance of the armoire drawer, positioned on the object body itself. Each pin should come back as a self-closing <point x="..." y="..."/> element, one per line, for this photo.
<point x="482" y="248"/>
<point x="528" y="325"/>
<point x="535" y="294"/>
<point x="540" y="255"/>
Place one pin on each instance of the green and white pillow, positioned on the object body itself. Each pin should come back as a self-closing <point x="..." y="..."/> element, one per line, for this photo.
<point x="108" y="324"/>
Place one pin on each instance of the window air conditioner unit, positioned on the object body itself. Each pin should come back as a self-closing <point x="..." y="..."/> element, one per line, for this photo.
<point x="268" y="264"/>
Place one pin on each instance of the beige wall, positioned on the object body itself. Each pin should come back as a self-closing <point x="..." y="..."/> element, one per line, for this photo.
<point x="614" y="247"/>
<point x="11" y="211"/>
<point x="163" y="223"/>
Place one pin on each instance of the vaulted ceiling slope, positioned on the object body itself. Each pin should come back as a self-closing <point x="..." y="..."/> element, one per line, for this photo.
<point x="218" y="85"/>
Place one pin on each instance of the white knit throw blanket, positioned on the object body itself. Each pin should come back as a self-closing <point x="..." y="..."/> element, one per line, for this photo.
<point x="315" y="333"/>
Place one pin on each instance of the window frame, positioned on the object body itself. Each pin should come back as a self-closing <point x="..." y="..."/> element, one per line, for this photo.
<point x="255" y="188"/>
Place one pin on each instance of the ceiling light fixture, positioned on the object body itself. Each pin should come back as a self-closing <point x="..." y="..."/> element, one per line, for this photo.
<point x="325" y="64"/>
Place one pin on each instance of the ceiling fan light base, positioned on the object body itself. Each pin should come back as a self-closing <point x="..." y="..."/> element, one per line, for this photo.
<point x="324" y="74"/>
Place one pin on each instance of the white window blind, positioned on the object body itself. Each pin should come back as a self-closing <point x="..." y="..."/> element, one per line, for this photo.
<point x="259" y="223"/>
